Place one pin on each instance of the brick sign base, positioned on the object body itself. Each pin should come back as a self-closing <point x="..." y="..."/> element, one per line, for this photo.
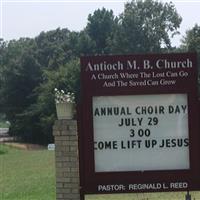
<point x="67" y="161"/>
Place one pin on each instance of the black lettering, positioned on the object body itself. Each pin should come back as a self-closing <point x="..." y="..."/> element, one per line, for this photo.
<point x="132" y="133"/>
<point x="103" y="145"/>
<point x="167" y="143"/>
<point x="180" y="142"/>
<point x="152" y="121"/>
<point x="123" y="112"/>
<point x="96" y="112"/>
<point x="127" y="122"/>
<point x="186" y="142"/>
<point x="162" y="144"/>
<point x="121" y="122"/>
<point x="173" y="143"/>
<point x="109" y="111"/>
<point x="103" y="111"/>
<point x="150" y="143"/>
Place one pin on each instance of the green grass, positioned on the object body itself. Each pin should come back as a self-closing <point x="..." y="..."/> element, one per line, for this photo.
<point x="26" y="174"/>
<point x="30" y="175"/>
<point x="145" y="196"/>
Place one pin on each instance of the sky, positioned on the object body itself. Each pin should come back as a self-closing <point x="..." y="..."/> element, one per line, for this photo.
<point x="27" y="18"/>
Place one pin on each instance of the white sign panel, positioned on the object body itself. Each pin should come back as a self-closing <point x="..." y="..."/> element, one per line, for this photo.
<point x="141" y="132"/>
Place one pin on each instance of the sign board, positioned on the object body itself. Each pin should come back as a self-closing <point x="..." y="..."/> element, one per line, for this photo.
<point x="139" y="123"/>
<point x="128" y="129"/>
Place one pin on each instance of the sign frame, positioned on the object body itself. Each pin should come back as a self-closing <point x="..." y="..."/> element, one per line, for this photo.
<point x="137" y="181"/>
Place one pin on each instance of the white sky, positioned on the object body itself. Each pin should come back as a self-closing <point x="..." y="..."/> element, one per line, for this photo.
<point x="27" y="18"/>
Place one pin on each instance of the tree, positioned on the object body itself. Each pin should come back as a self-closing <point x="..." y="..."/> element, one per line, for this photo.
<point x="30" y="69"/>
<point x="26" y="68"/>
<point x="54" y="48"/>
<point x="100" y="28"/>
<point x="191" y="43"/>
<point x="20" y="74"/>
<point x="66" y="77"/>
<point x="145" y="26"/>
<point x="85" y="45"/>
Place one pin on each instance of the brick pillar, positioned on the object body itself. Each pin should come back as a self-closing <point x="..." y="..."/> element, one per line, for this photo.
<point x="67" y="160"/>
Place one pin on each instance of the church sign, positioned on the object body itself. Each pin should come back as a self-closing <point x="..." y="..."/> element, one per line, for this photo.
<point x="139" y="123"/>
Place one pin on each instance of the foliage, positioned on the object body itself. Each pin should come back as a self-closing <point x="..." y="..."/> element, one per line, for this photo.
<point x="53" y="49"/>
<point x="145" y="26"/>
<point x="20" y="74"/>
<point x="26" y="67"/>
<point x="4" y="124"/>
<point x="30" y="69"/>
<point x="191" y="43"/>
<point x="100" y="28"/>
<point x="65" y="77"/>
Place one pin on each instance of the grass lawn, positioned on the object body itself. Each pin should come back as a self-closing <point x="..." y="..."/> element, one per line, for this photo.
<point x="145" y="196"/>
<point x="30" y="175"/>
<point x="26" y="174"/>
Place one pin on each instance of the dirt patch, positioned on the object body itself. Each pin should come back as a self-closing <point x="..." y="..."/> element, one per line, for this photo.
<point x="25" y="146"/>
